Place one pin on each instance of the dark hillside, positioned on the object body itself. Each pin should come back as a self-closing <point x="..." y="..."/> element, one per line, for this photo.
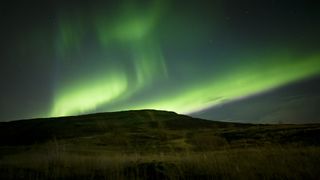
<point x="159" y="128"/>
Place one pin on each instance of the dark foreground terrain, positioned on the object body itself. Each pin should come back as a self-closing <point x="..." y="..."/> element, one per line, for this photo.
<point x="150" y="144"/>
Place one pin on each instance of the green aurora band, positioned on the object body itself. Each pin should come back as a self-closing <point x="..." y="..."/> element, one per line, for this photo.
<point x="112" y="81"/>
<point x="237" y="83"/>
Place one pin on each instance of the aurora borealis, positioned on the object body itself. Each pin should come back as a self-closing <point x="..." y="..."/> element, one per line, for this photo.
<point x="71" y="58"/>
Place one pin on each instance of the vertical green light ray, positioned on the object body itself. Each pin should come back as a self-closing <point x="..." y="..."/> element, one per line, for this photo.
<point x="148" y="62"/>
<point x="71" y="31"/>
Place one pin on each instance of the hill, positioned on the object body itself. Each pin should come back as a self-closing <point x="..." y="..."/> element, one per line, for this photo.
<point x="151" y="125"/>
<point x="150" y="141"/>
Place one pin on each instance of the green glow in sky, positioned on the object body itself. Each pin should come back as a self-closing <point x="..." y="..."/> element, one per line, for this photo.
<point x="236" y="83"/>
<point x="204" y="58"/>
<point x="127" y="80"/>
<point x="133" y="29"/>
<point x="79" y="98"/>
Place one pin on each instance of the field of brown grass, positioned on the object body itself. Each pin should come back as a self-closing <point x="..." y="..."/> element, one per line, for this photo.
<point x="245" y="163"/>
<point x="156" y="145"/>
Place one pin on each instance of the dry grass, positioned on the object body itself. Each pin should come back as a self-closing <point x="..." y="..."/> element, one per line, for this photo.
<point x="156" y="145"/>
<point x="59" y="162"/>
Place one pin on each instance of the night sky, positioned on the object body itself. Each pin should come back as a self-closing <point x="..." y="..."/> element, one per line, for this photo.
<point x="233" y="60"/>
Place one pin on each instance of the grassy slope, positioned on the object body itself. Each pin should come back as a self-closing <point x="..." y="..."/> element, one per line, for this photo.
<point x="150" y="143"/>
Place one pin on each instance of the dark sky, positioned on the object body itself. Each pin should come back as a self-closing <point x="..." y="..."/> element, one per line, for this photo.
<point x="75" y="57"/>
